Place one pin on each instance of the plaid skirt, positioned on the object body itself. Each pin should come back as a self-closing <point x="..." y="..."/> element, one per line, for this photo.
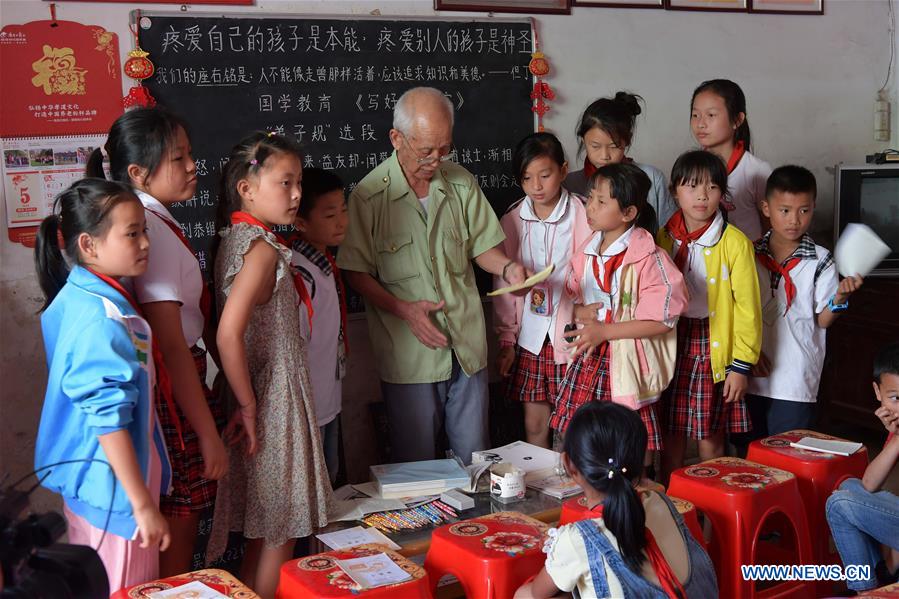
<point x="535" y="378"/>
<point x="587" y="379"/>
<point x="191" y="493"/>
<point x="693" y="403"/>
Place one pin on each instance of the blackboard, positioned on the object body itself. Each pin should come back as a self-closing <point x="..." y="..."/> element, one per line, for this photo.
<point x="332" y="84"/>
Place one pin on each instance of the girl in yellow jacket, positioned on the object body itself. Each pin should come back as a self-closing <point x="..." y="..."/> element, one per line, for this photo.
<point x="720" y="333"/>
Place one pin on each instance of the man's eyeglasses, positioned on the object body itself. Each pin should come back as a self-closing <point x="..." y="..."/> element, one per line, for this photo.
<point x="426" y="158"/>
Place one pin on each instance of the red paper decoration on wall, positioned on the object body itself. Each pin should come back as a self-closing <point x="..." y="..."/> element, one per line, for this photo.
<point x="539" y="67"/>
<point x="138" y="67"/>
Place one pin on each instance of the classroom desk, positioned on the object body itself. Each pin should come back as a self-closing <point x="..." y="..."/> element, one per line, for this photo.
<point x="416" y="542"/>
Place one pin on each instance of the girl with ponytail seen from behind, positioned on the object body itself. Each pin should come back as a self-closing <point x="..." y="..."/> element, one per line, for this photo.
<point x="635" y="543"/>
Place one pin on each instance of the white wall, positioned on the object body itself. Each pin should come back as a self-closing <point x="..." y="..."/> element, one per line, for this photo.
<point x="810" y="83"/>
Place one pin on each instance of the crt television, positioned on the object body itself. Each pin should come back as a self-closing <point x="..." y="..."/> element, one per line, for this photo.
<point x="869" y="194"/>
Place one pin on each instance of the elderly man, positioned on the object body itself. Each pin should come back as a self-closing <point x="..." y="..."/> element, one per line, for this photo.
<point x="416" y="222"/>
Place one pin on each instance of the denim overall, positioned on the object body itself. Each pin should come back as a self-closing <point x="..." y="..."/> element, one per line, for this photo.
<point x="701" y="582"/>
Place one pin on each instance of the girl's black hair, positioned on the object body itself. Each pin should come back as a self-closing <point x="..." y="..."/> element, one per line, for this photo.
<point x="616" y="116"/>
<point x="316" y="183"/>
<point x="141" y="136"/>
<point x="82" y="208"/>
<point x="247" y="158"/>
<point x="734" y="101"/>
<point x="535" y="146"/>
<point x="606" y="442"/>
<point x="629" y="186"/>
<point x="697" y="166"/>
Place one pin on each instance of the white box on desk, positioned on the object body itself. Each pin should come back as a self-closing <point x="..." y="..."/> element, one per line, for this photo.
<point x="537" y="462"/>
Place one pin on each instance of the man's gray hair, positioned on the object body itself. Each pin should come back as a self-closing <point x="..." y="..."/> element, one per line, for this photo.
<point x="403" y="115"/>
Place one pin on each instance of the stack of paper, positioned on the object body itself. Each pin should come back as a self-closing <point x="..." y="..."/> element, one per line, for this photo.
<point x="373" y="571"/>
<point x="351" y="537"/>
<point x="560" y="487"/>
<point x="527" y="283"/>
<point x="191" y="590"/>
<point x="827" y="446"/>
<point x="411" y="479"/>
<point x="859" y="250"/>
<point x="536" y="462"/>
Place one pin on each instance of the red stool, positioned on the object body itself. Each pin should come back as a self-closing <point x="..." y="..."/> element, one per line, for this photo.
<point x="319" y="577"/>
<point x="888" y="592"/>
<point x="575" y="509"/>
<point x="738" y="496"/>
<point x="218" y="580"/>
<point x="491" y="555"/>
<point x="818" y="475"/>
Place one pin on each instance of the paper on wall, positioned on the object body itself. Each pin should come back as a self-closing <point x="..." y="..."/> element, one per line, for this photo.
<point x="36" y="169"/>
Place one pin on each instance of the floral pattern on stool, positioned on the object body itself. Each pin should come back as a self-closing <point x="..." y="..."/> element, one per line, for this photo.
<point x="511" y="543"/>
<point x="702" y="472"/>
<point x="747" y="480"/>
<point x="218" y="580"/>
<point x="315" y="563"/>
<point x="468" y="529"/>
<point x="340" y="579"/>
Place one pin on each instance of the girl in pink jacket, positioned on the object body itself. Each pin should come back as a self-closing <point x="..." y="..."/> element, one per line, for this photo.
<point x="628" y="295"/>
<point x="545" y="227"/>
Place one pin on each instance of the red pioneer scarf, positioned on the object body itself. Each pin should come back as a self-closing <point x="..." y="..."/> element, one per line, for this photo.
<point x="735" y="156"/>
<point x="609" y="267"/>
<point x="163" y="382"/>
<point x="589" y="169"/>
<point x="784" y="271"/>
<point x="677" y="228"/>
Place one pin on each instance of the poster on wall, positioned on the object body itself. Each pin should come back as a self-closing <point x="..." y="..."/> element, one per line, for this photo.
<point x="60" y="78"/>
<point x="35" y="170"/>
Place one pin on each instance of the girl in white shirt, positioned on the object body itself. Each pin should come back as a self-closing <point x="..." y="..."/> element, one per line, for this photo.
<point x="545" y="227"/>
<point x="149" y="149"/>
<point x="719" y="123"/>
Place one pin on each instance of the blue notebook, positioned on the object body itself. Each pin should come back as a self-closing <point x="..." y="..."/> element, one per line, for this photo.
<point x="418" y="478"/>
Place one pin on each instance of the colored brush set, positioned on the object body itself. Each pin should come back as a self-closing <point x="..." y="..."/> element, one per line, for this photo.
<point x="434" y="513"/>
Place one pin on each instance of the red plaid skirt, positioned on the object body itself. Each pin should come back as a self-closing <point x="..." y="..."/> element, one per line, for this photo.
<point x="191" y="492"/>
<point x="535" y="378"/>
<point x="693" y="403"/>
<point x="587" y="379"/>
